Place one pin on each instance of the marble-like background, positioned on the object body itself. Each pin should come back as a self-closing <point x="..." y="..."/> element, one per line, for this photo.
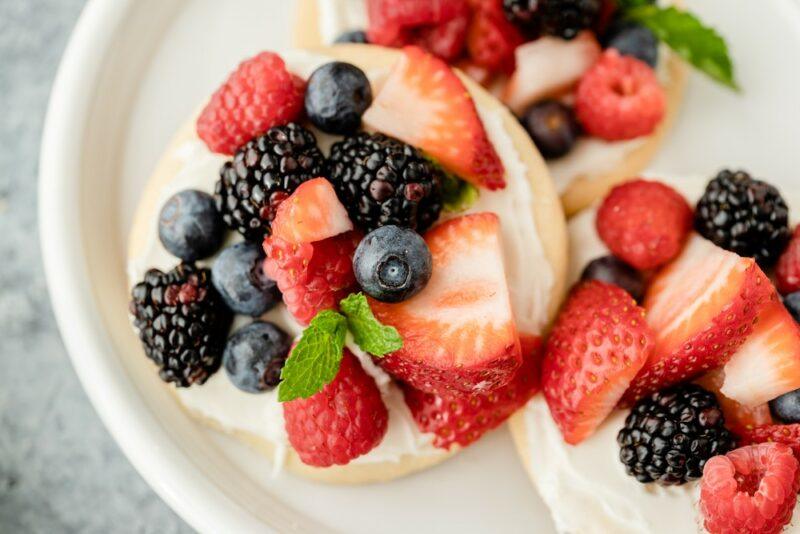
<point x="60" y="470"/>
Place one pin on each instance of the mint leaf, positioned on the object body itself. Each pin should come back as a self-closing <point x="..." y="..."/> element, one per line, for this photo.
<point x="698" y="44"/>
<point x="458" y="195"/>
<point x="372" y="336"/>
<point x="315" y="359"/>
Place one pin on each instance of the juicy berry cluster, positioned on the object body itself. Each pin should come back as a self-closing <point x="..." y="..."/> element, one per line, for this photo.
<point x="669" y="436"/>
<point x="562" y="18"/>
<point x="262" y="174"/>
<point x="182" y="323"/>
<point x="383" y="181"/>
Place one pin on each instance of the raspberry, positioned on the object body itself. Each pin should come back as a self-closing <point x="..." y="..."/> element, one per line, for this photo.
<point x="786" y="434"/>
<point x="346" y="419"/>
<point x="312" y="276"/>
<point x="258" y="95"/>
<point x="492" y="39"/>
<point x="752" y="489"/>
<point x="619" y="98"/>
<point x="644" y="223"/>
<point x="787" y="271"/>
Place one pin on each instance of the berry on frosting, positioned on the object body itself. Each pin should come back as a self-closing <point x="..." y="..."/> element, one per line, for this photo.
<point x="491" y="39"/>
<point x="613" y="270"/>
<point x="786" y="434"/>
<point x="425" y="104"/>
<point x="258" y="95"/>
<point x="787" y="271"/>
<point x="337" y="95"/>
<point x="238" y="275"/>
<point x="343" y="421"/>
<point x="702" y="307"/>
<point x="254" y="356"/>
<point x="644" y="223"/>
<point x="312" y="213"/>
<point x="786" y="407"/>
<point x="552" y="127"/>
<point x="312" y="276"/>
<point x="189" y="225"/>
<point x="750" y="490"/>
<point x="459" y="333"/>
<point x="619" y="98"/>
<point x="598" y="344"/>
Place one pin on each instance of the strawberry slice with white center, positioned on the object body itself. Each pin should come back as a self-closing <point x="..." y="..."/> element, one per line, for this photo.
<point x="768" y="363"/>
<point x="312" y="213"/>
<point x="702" y="307"/>
<point x="425" y="104"/>
<point x="458" y="333"/>
<point x="739" y="418"/>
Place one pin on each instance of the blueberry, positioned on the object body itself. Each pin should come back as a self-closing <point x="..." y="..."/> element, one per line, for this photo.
<point x="189" y="225"/>
<point x="337" y="95"/>
<point x="634" y="40"/>
<point x="392" y="264"/>
<point x="254" y="356"/>
<point x="786" y="408"/>
<point x="792" y="303"/>
<point x="552" y="126"/>
<point x="355" y="36"/>
<point x="613" y="270"/>
<point x="238" y="276"/>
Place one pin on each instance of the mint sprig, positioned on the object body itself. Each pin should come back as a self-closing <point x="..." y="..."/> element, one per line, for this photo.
<point x="458" y="195"/>
<point x="316" y="358"/>
<point x="684" y="33"/>
<point x="368" y="333"/>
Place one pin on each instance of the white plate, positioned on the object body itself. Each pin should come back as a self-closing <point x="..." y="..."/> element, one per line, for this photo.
<point x="134" y="70"/>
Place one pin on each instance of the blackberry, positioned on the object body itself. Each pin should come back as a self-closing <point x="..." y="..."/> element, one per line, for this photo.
<point x="382" y="181"/>
<point x="524" y="14"/>
<point x="562" y="18"/>
<point x="669" y="436"/>
<point x="182" y="323"/>
<point x="744" y="215"/>
<point x="262" y="174"/>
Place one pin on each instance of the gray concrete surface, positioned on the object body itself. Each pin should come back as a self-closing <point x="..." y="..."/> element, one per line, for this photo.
<point x="60" y="470"/>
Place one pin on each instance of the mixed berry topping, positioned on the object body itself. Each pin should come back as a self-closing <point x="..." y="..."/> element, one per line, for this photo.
<point x="561" y="18"/>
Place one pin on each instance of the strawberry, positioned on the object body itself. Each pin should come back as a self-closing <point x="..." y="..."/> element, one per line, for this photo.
<point x="787" y="270"/>
<point x="702" y="307"/>
<point x="548" y="66"/>
<point x="459" y="332"/>
<point x="424" y="103"/>
<point x="619" y="98"/>
<point x="767" y="365"/>
<point x="445" y="40"/>
<point x="599" y="343"/>
<point x="312" y="213"/>
<point x="463" y="419"/>
<point x="343" y="421"/>
<point x="260" y="94"/>
<point x="492" y="39"/>
<point x="738" y="417"/>
<point x="750" y="490"/>
<point x="312" y="276"/>
<point x="644" y="223"/>
<point x="785" y="434"/>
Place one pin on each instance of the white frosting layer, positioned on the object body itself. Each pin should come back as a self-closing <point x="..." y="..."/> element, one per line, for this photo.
<point x="585" y="486"/>
<point x="529" y="275"/>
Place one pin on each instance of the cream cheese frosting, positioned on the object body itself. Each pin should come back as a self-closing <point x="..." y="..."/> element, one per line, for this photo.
<point x="529" y="273"/>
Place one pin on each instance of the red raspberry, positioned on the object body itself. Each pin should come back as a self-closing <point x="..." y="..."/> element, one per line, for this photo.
<point x="258" y="95"/>
<point x="463" y="419"/>
<point x="644" y="223"/>
<point x="787" y="271"/>
<point x="786" y="434"/>
<point x="312" y="276"/>
<point x="492" y="39"/>
<point x="344" y="420"/>
<point x="750" y="490"/>
<point x="445" y="40"/>
<point x="619" y="98"/>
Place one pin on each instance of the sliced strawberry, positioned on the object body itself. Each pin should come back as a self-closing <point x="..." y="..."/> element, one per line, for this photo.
<point x="786" y="434"/>
<point x="463" y="419"/>
<point x="459" y="332"/>
<point x="548" y="66"/>
<point x="597" y="346"/>
<point x="492" y="39"/>
<point x="738" y="417"/>
<point x="311" y="213"/>
<point x="702" y="307"/>
<point x="425" y="104"/>
<point x="767" y="365"/>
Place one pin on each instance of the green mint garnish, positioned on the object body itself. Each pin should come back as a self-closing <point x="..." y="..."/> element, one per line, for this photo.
<point x="369" y="334"/>
<point x="684" y="33"/>
<point x="458" y="195"/>
<point x="315" y="359"/>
